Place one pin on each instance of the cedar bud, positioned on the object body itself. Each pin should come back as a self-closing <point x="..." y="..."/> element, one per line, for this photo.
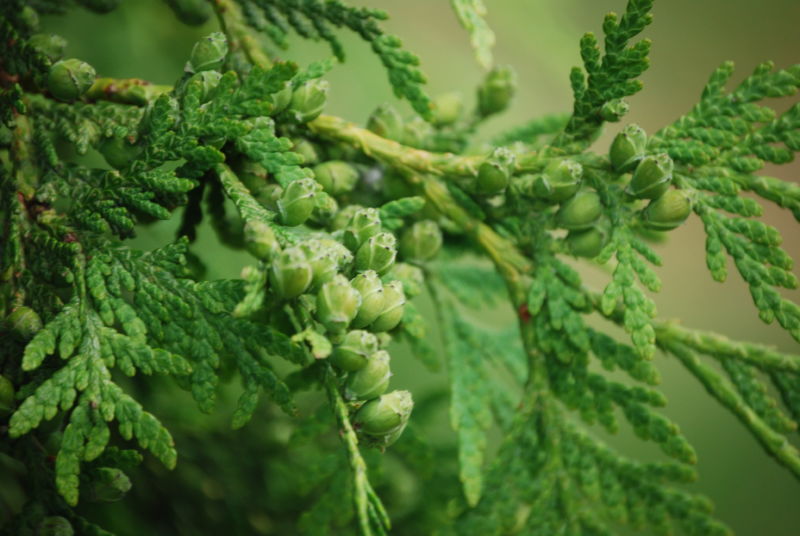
<point x="410" y="276"/>
<point x="386" y="122"/>
<point x="668" y="211"/>
<point x="613" y="110"/>
<point x="496" y="91"/>
<point x="51" y="45"/>
<point x="260" y="240"/>
<point x="297" y="201"/>
<point x="208" y="54"/>
<point x="447" y="109"/>
<point x="69" y="79"/>
<point x="369" y="285"/>
<point x="336" y="177"/>
<point x="308" y="100"/>
<point x="385" y="414"/>
<point x="208" y="80"/>
<point x="109" y="485"/>
<point x="560" y="181"/>
<point x="628" y="148"/>
<point x="282" y="98"/>
<point x="421" y="241"/>
<point x="587" y="243"/>
<point x="291" y="273"/>
<point x="494" y="172"/>
<point x="24" y="322"/>
<point x="580" y="212"/>
<point x="365" y="223"/>
<point x="306" y="149"/>
<point x="372" y="380"/>
<point x="417" y="133"/>
<point x="325" y="209"/>
<point x="377" y="253"/>
<point x="652" y="177"/>
<point x="337" y="303"/>
<point x="354" y="351"/>
<point x="393" y="306"/>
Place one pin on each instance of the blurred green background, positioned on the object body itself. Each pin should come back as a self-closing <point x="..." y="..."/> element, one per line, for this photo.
<point x="539" y="38"/>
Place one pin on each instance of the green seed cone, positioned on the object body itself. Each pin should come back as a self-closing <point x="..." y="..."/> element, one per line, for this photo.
<point x="386" y="414"/>
<point x="421" y="241"/>
<point x="447" y="109"/>
<point x="325" y="209"/>
<point x="587" y="243"/>
<point x="628" y="148"/>
<point x="24" y="322"/>
<point x="378" y="253"/>
<point x="208" y="54"/>
<point x="337" y="304"/>
<point x="560" y="181"/>
<point x="69" y="79"/>
<point x="393" y="307"/>
<point x="308" y="100"/>
<point x="494" y="173"/>
<point x="208" y="80"/>
<point x="109" y="485"/>
<point x="191" y="12"/>
<point x="54" y="526"/>
<point x="386" y="122"/>
<point x="306" y="149"/>
<point x="613" y="110"/>
<point x="291" y="273"/>
<point x="324" y="267"/>
<point x="496" y="91"/>
<point x="354" y="351"/>
<point x="297" y="201"/>
<point x="282" y="98"/>
<point x="580" y="212"/>
<point x="260" y="240"/>
<point x="369" y="285"/>
<point x="668" y="211"/>
<point x="7" y="395"/>
<point x="417" y="133"/>
<point x="652" y="177"/>
<point x="372" y="380"/>
<point x="364" y="224"/>
<point x="336" y="177"/>
<point x="412" y="278"/>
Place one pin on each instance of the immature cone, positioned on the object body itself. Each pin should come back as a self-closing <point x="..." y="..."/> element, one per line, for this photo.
<point x="24" y="322"/>
<point x="297" y="201"/>
<point x="325" y="209"/>
<point x="369" y="285"/>
<point x="447" y="109"/>
<point x="421" y="241"/>
<point x="306" y="149"/>
<point x="208" y="80"/>
<point x="69" y="79"/>
<point x="260" y="240"/>
<point x="613" y="110"/>
<point x="100" y="6"/>
<point x="580" y="212"/>
<point x="191" y="12"/>
<point x="417" y="133"/>
<point x="363" y="225"/>
<point x="51" y="45"/>
<point x="411" y="276"/>
<point x="628" y="148"/>
<point x="393" y="307"/>
<point x="496" y="91"/>
<point x="336" y="177"/>
<point x="386" y="122"/>
<point x="354" y="351"/>
<point x="587" y="243"/>
<point x="290" y="273"/>
<point x="494" y="172"/>
<point x="7" y="396"/>
<point x="668" y="211"/>
<point x="652" y="177"/>
<point x="54" y="526"/>
<point x="282" y="98"/>
<point x="377" y="253"/>
<point x="324" y="265"/>
<point x="370" y="381"/>
<point x="337" y="304"/>
<point x="109" y="485"/>
<point x="384" y="415"/>
<point x="560" y="181"/>
<point x="208" y="53"/>
<point x="308" y="100"/>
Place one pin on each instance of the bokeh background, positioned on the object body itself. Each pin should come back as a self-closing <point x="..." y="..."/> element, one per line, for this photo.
<point x="539" y="38"/>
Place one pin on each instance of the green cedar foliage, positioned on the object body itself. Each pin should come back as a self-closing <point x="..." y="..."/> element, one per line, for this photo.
<point x="239" y="137"/>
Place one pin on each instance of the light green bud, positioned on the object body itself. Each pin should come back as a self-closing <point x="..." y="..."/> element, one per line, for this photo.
<point x="421" y="242"/>
<point x="393" y="307"/>
<point x="109" y="485"/>
<point x="24" y="322"/>
<point x="282" y="98"/>
<point x="587" y="243"/>
<point x="340" y="253"/>
<point x="560" y="181"/>
<point x="386" y="122"/>
<point x="337" y="304"/>
<point x="385" y="414"/>
<point x="297" y="201"/>
<point x="496" y="91"/>
<point x="668" y="211"/>
<point x="344" y="217"/>
<point x="325" y="209"/>
<point x="378" y="253"/>
<point x="51" y="45"/>
<point x="208" y="80"/>
<point x="324" y="265"/>
<point x="412" y="278"/>
<point x="291" y="273"/>
<point x="100" y="6"/>
<point x="370" y="381"/>
<point x="191" y="12"/>
<point x="652" y="177"/>
<point x="7" y="394"/>
<point x="306" y="149"/>
<point x="69" y="79"/>
<point x="365" y="223"/>
<point x="494" y="172"/>
<point x="417" y="132"/>
<point x="354" y="351"/>
<point x="447" y="109"/>
<point x="208" y="54"/>
<point x="54" y="526"/>
<point x="336" y="177"/>
<point x="628" y="148"/>
<point x="580" y="212"/>
<point x="260" y="240"/>
<point x="369" y="285"/>
<point x="613" y="110"/>
<point x="308" y="100"/>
